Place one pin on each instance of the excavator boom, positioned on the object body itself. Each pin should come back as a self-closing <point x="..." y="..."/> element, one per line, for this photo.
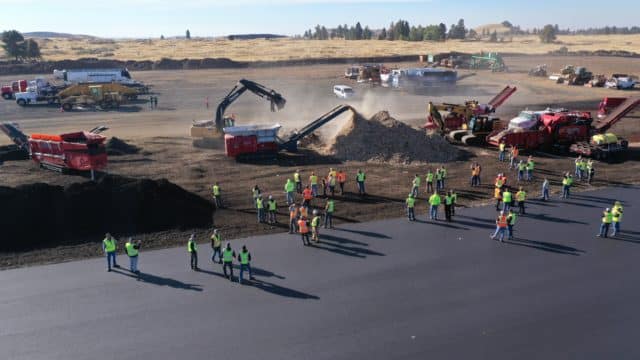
<point x="277" y="101"/>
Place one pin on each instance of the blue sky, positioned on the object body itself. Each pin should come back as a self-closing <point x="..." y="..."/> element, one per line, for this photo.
<point x="150" y="18"/>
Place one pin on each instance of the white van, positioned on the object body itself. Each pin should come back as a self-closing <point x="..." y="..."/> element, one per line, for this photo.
<point x="343" y="91"/>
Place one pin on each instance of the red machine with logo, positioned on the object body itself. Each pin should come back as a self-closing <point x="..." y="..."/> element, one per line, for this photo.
<point x="81" y="151"/>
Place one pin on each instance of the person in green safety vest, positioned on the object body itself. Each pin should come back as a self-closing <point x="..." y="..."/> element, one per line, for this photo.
<point x="192" y="247"/>
<point x="590" y="171"/>
<point x="530" y="166"/>
<point x="502" y="147"/>
<point x="297" y="179"/>
<point x="255" y="192"/>
<point x="438" y="179"/>
<point x="244" y="257"/>
<point x="217" y="197"/>
<point x="429" y="180"/>
<point x="522" y="167"/>
<point x="434" y="202"/>
<point x="216" y="245"/>
<point x="109" y="248"/>
<point x="132" y="248"/>
<point x="415" y="185"/>
<point x="272" y="208"/>
<point x="616" y="213"/>
<point x="521" y="196"/>
<point x="360" y="179"/>
<point x="511" y="221"/>
<point x="454" y="197"/>
<point x="329" y="208"/>
<point x="448" y="202"/>
<point x="313" y="181"/>
<point x="315" y="224"/>
<point x="227" y="261"/>
<point x="507" y="198"/>
<point x="289" y="189"/>
<point x="260" y="208"/>
<point x="607" y="219"/>
<point x="411" y="203"/>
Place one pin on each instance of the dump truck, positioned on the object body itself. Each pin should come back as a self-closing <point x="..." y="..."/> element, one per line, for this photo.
<point x="206" y="132"/>
<point x="99" y="95"/>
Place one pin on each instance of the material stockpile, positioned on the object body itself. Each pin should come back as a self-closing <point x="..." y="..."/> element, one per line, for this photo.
<point x="116" y="146"/>
<point x="385" y="139"/>
<point x="43" y="215"/>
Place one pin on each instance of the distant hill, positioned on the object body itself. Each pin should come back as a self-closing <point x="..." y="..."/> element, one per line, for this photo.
<point x="490" y="28"/>
<point x="55" y="35"/>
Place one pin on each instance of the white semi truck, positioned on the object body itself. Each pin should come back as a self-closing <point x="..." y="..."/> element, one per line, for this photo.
<point x="99" y="76"/>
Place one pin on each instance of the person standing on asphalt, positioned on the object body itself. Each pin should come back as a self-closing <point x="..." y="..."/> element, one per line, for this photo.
<point x="303" y="229"/>
<point x="293" y="218"/>
<point x="272" y="207"/>
<point x="415" y="185"/>
<point x="454" y="203"/>
<point x="616" y="212"/>
<point x="502" y="151"/>
<point x="313" y="180"/>
<point x="607" y="219"/>
<point x="109" y="248"/>
<point x="545" y="190"/>
<point x="497" y="194"/>
<point x="590" y="171"/>
<point x="434" y="202"/>
<point x="192" y="247"/>
<point x="132" y="249"/>
<point x="360" y="179"/>
<point x="245" y="263"/>
<point x="522" y="167"/>
<point x="227" y="261"/>
<point x="429" y="181"/>
<point x="307" y="195"/>
<point x="315" y="224"/>
<point x="298" y="181"/>
<point x="411" y="202"/>
<point x="329" y="208"/>
<point x="217" y="198"/>
<point x="511" y="221"/>
<point x="521" y="196"/>
<point x="448" y="202"/>
<point x="216" y="245"/>
<point x="507" y="198"/>
<point x="260" y="208"/>
<point x="565" y="186"/>
<point x="342" y="178"/>
<point x="289" y="189"/>
<point x="501" y="226"/>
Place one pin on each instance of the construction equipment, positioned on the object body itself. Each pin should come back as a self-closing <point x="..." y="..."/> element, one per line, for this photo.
<point x="492" y="61"/>
<point x="597" y="81"/>
<point x="207" y="131"/>
<point x="539" y="71"/>
<point x="80" y="151"/>
<point x="255" y="141"/>
<point x="370" y="73"/>
<point x="39" y="90"/>
<point x="85" y="89"/>
<point x="99" y="95"/>
<point x="607" y="104"/>
<point x="456" y="122"/>
<point x="572" y="75"/>
<point x="620" y="82"/>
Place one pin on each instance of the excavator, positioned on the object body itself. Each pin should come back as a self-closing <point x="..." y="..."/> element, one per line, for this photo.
<point x="207" y="131"/>
<point x="467" y="123"/>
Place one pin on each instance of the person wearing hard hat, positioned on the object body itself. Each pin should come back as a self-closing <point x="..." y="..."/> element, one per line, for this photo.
<point x="501" y="226"/>
<point x="109" y="248"/>
<point x="293" y="218"/>
<point x="607" y="219"/>
<point x="192" y="247"/>
<point x="244" y="257"/>
<point x="329" y="208"/>
<point x="289" y="189"/>
<point x="315" y="224"/>
<point x="272" y="208"/>
<point x="434" y="202"/>
<point x="132" y="248"/>
<point x="303" y="229"/>
<point x="217" y="197"/>
<point x="616" y="213"/>
<point x="260" y="208"/>
<point x="297" y="179"/>
<point x="216" y="245"/>
<point x="411" y="202"/>
<point x="227" y="261"/>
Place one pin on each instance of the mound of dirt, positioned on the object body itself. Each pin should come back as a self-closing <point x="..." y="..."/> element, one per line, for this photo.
<point x="116" y="146"/>
<point x="12" y="152"/>
<point x="385" y="139"/>
<point x="43" y="215"/>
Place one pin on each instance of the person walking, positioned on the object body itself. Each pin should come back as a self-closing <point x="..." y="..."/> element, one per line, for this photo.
<point x="501" y="226"/>
<point x="545" y="190"/>
<point x="216" y="246"/>
<point x="244" y="257"/>
<point x="448" y="202"/>
<point x="410" y="204"/>
<point x="360" y="179"/>
<point x="132" y="248"/>
<point x="272" y="207"/>
<point x="109" y="248"/>
<point x="497" y="195"/>
<point x="315" y="224"/>
<point x="530" y="166"/>
<point x="501" y="151"/>
<point x="298" y="181"/>
<point x="415" y="185"/>
<point x="329" y="208"/>
<point x="217" y="197"/>
<point x="293" y="218"/>
<point x="616" y="213"/>
<point x="303" y="229"/>
<point x="429" y="181"/>
<point x="289" y="189"/>
<point x="521" y="196"/>
<point x="313" y="180"/>
<point x="511" y="221"/>
<point x="342" y="178"/>
<point x="193" y="252"/>
<point x="607" y="219"/>
<point x="307" y="195"/>
<point x="475" y="175"/>
<point x="434" y="202"/>
<point x="507" y="198"/>
<point x="227" y="261"/>
<point x="155" y="102"/>
<point x="260" y="208"/>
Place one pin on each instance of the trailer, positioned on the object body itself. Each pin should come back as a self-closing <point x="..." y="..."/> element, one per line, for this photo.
<point x="100" y="76"/>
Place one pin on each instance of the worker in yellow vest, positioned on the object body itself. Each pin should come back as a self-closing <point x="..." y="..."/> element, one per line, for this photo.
<point x="429" y="180"/>
<point x="109" y="248"/>
<point x="360" y="179"/>
<point x="497" y="194"/>
<point x="255" y="191"/>
<point x="530" y="166"/>
<point x="260" y="208"/>
<point x="410" y="203"/>
<point x="303" y="229"/>
<point x="227" y="261"/>
<point x="448" y="202"/>
<point x="522" y="167"/>
<point x="272" y="207"/>
<point x="507" y="199"/>
<point x="289" y="189"/>
<point x="616" y="213"/>
<point x="132" y="248"/>
<point x="607" y="219"/>
<point x="454" y="204"/>
<point x="333" y="180"/>
<point x="434" y="202"/>
<point x="315" y="224"/>
<point x="192" y="247"/>
<point x="293" y="218"/>
<point x="521" y="196"/>
<point x="501" y="151"/>
<point x="244" y="257"/>
<point x="217" y="197"/>
<point x="297" y="179"/>
<point x="501" y="226"/>
<point x="216" y="245"/>
<point x="415" y="185"/>
<point x="329" y="208"/>
<point x="511" y="221"/>
<point x="313" y="181"/>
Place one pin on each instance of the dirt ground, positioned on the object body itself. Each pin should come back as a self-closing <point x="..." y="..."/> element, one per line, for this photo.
<point x="167" y="151"/>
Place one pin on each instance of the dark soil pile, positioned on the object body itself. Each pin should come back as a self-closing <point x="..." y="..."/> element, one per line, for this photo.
<point x="42" y="215"/>
<point x="116" y="146"/>
<point x="12" y="152"/>
<point x="385" y="139"/>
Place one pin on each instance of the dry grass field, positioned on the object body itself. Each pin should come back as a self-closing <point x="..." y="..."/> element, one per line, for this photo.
<point x="289" y="49"/>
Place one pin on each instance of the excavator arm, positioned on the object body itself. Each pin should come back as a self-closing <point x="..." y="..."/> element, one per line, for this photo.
<point x="277" y="101"/>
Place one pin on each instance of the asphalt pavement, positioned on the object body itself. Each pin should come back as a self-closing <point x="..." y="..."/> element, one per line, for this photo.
<point x="382" y="290"/>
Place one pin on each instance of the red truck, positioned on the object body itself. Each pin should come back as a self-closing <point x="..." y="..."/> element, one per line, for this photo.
<point x="8" y="91"/>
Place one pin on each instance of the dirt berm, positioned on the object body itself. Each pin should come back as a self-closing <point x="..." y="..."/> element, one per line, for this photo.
<point x="41" y="215"/>
<point x="383" y="138"/>
<point x="116" y="146"/>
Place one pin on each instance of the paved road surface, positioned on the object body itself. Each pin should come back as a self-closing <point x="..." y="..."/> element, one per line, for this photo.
<point x="384" y="290"/>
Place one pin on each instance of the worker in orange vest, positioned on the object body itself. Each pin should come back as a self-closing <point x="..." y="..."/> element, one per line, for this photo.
<point x="497" y="194"/>
<point x="501" y="226"/>
<point x="342" y="178"/>
<point x="307" y="195"/>
<point x="293" y="218"/>
<point x="303" y="229"/>
<point x="513" y="162"/>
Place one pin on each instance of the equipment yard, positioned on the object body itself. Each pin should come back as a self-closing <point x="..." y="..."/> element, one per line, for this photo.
<point x="165" y="148"/>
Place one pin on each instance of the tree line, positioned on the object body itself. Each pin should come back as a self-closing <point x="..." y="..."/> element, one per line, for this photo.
<point x="15" y="46"/>
<point x="398" y="30"/>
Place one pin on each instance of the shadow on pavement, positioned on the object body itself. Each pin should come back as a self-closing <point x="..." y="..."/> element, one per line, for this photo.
<point x="577" y="204"/>
<point x="546" y="246"/>
<point x="545" y="217"/>
<point x="442" y="223"/>
<point x="160" y="281"/>
<point x="279" y="290"/>
<point x="341" y="239"/>
<point x="334" y="244"/>
<point x="627" y="238"/>
<point x="364" y="233"/>
<point x="599" y="199"/>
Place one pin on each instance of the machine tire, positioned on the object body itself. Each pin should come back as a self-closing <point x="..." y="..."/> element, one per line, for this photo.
<point x="67" y="106"/>
<point x="457" y="135"/>
<point x="21" y="102"/>
<point x="6" y="96"/>
<point x="470" y="140"/>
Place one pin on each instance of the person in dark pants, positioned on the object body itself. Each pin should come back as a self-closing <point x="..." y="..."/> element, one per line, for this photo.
<point x="216" y="245"/>
<point x="227" y="261"/>
<point x="109" y="248"/>
<point x="245" y="263"/>
<point x="193" y="251"/>
<point x="448" y="203"/>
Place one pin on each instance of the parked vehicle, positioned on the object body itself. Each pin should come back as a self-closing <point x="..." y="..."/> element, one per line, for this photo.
<point x="620" y="82"/>
<point x="100" y="76"/>
<point x="343" y="91"/>
<point x="8" y="91"/>
<point x="39" y="90"/>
